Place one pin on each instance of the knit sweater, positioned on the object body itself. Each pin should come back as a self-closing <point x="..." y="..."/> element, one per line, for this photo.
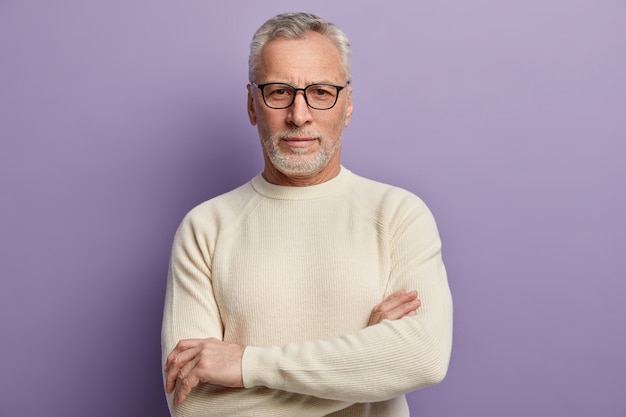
<point x="293" y="273"/>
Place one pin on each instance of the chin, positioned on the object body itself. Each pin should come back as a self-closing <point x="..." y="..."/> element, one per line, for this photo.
<point x="299" y="167"/>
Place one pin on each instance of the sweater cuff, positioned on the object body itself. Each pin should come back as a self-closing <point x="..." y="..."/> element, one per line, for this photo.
<point x="259" y="367"/>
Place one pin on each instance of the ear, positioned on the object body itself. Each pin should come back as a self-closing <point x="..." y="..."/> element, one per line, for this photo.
<point x="348" y="106"/>
<point x="251" y="113"/>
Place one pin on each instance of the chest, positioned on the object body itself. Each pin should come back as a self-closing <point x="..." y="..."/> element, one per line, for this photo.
<point x="296" y="268"/>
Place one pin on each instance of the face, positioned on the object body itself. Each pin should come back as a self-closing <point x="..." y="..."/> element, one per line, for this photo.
<point x="301" y="146"/>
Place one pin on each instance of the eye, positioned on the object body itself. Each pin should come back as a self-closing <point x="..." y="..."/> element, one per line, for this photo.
<point x="321" y="92"/>
<point x="278" y="91"/>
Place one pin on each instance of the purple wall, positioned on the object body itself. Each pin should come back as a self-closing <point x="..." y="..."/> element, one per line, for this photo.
<point x="509" y="120"/>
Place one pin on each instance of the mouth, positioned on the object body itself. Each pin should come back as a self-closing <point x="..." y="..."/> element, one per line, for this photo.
<point x="299" y="142"/>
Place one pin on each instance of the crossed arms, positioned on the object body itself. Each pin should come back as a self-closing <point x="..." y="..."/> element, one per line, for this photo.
<point x="213" y="361"/>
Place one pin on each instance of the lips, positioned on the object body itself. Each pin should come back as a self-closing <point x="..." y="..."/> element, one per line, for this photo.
<point x="299" y="142"/>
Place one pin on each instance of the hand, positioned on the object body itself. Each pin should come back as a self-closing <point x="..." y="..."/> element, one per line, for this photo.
<point x="397" y="305"/>
<point x="202" y="360"/>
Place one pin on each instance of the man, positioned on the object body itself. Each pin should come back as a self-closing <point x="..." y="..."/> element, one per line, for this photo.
<point x="296" y="294"/>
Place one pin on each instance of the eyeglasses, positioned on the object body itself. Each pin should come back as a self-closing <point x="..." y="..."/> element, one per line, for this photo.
<point x="316" y="96"/>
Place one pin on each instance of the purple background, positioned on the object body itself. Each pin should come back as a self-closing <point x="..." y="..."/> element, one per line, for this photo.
<point x="507" y="118"/>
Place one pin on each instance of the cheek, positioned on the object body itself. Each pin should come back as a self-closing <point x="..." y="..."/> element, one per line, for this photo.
<point x="269" y="121"/>
<point x="266" y="126"/>
<point x="341" y="117"/>
<point x="339" y="124"/>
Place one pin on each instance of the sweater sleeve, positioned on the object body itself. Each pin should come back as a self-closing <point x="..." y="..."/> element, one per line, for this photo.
<point x="381" y="361"/>
<point x="190" y="309"/>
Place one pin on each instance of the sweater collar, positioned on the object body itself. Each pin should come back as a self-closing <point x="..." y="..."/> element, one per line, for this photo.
<point x="312" y="192"/>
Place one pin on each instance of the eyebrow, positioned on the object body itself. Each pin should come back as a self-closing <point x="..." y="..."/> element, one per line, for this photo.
<point x="306" y="85"/>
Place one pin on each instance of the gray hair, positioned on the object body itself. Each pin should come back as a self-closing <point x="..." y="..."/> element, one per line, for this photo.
<point x="295" y="26"/>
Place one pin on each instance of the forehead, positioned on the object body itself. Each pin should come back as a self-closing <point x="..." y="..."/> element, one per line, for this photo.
<point x="313" y="58"/>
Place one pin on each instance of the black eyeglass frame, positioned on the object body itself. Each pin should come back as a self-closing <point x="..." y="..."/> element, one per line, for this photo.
<point x="295" y="93"/>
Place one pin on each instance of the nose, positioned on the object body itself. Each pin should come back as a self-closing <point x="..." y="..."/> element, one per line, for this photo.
<point x="299" y="112"/>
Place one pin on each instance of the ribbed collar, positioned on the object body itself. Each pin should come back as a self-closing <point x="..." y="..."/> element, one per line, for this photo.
<point x="312" y="192"/>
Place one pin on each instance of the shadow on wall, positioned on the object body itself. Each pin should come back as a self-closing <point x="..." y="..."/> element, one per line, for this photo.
<point x="217" y="156"/>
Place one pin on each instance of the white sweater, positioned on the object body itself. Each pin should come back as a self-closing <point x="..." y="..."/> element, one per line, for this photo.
<point x="293" y="274"/>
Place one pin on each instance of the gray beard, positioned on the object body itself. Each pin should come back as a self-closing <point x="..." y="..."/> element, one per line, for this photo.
<point x="295" y="164"/>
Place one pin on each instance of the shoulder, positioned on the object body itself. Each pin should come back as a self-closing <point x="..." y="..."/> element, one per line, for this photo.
<point x="382" y="197"/>
<point x="394" y="211"/>
<point x="221" y="210"/>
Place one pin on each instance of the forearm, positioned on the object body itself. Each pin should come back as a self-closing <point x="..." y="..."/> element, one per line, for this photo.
<point x="374" y="364"/>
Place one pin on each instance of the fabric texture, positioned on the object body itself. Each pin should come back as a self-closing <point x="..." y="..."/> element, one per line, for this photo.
<point x="293" y="274"/>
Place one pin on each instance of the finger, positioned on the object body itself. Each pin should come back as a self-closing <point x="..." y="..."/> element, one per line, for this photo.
<point x="187" y="379"/>
<point x="400" y="310"/>
<point x="393" y="307"/>
<point x="181" y="346"/>
<point x="391" y="301"/>
<point x="400" y="296"/>
<point x="404" y="309"/>
<point x="397" y="294"/>
<point x="178" y="363"/>
<point x="396" y="299"/>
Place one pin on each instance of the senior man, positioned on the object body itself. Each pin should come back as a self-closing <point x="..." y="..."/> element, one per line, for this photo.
<point x="308" y="291"/>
